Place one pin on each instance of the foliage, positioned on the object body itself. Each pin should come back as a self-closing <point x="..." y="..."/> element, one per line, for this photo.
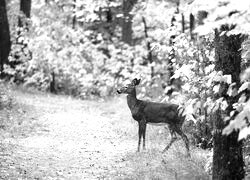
<point x="88" y="59"/>
<point x="233" y="12"/>
<point x="241" y="113"/>
<point x="75" y="56"/>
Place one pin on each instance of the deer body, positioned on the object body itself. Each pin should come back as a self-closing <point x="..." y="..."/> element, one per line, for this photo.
<point x="157" y="113"/>
<point x="153" y="112"/>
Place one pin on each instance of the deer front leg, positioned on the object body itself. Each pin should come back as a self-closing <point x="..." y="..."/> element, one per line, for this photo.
<point x="144" y="125"/>
<point x="141" y="133"/>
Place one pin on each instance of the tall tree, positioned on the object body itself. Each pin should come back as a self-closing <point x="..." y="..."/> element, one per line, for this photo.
<point x="149" y="56"/>
<point x="74" y="15"/>
<point x="191" y="25"/>
<point x="127" y="7"/>
<point x="228" y="161"/>
<point x="4" y="35"/>
<point x="25" y="8"/>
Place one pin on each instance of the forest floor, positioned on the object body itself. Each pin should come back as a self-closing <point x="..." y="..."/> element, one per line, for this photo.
<point x="50" y="137"/>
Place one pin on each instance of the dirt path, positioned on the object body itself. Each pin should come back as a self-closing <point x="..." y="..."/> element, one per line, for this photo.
<point x="61" y="138"/>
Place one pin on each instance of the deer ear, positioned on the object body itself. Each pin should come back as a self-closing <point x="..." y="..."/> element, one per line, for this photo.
<point x="136" y="81"/>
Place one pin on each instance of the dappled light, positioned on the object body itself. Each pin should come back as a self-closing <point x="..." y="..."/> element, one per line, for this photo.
<point x="131" y="89"/>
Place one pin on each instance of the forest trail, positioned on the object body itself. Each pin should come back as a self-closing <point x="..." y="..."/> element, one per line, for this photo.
<point x="64" y="138"/>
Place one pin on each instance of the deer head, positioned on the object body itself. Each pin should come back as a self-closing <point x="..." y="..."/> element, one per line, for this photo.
<point x="129" y="88"/>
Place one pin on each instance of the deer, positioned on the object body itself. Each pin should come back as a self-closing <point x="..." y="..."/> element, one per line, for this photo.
<point x="146" y="112"/>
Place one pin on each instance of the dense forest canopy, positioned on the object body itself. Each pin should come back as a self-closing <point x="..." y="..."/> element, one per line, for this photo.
<point x="194" y="53"/>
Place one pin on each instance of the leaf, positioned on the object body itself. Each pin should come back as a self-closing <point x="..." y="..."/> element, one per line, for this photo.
<point x="218" y="78"/>
<point x="227" y="118"/>
<point x="227" y="130"/>
<point x="245" y="76"/>
<point x="244" y="86"/>
<point x="242" y="98"/>
<point x="227" y="79"/>
<point x="216" y="107"/>
<point x="244" y="133"/>
<point x="232" y="113"/>
<point x="216" y="88"/>
<point x="224" y="105"/>
<point x="232" y="90"/>
<point x="246" y="55"/>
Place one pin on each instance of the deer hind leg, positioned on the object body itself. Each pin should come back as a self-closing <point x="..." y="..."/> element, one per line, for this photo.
<point x="184" y="138"/>
<point x="144" y="135"/>
<point x="141" y="134"/>
<point x="173" y="139"/>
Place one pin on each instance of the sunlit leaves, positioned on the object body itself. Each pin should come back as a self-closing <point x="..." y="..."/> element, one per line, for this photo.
<point x="232" y="90"/>
<point x="244" y="132"/>
<point x="216" y="88"/>
<point x="240" y="122"/>
<point x="232" y="12"/>
<point x="242" y="107"/>
<point x="245" y="77"/>
<point x="246" y="51"/>
<point x="219" y="77"/>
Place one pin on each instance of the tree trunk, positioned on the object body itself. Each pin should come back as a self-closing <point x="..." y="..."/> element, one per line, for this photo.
<point x="228" y="161"/>
<point x="4" y="35"/>
<point x="150" y="56"/>
<point x="74" y="15"/>
<point x="191" y="25"/>
<point x="53" y="88"/>
<point x="182" y="23"/>
<point x="127" y="6"/>
<point x="25" y="8"/>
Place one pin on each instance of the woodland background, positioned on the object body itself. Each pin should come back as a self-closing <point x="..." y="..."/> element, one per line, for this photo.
<point x="193" y="53"/>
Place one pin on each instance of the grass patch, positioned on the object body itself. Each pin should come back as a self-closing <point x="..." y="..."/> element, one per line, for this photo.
<point x="151" y="163"/>
<point x="113" y="120"/>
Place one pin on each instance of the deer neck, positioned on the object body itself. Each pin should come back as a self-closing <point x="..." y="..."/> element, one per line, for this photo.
<point x="132" y="100"/>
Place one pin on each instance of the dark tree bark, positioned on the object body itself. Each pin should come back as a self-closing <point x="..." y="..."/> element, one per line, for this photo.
<point x="127" y="6"/>
<point x="228" y="161"/>
<point x="182" y="23"/>
<point x="173" y="20"/>
<point x="177" y="7"/>
<point x="4" y="35"/>
<point x="150" y="56"/>
<point x="25" y="8"/>
<point x="53" y="88"/>
<point x="74" y="15"/>
<point x="109" y="15"/>
<point x="191" y="25"/>
<point x="201" y="16"/>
